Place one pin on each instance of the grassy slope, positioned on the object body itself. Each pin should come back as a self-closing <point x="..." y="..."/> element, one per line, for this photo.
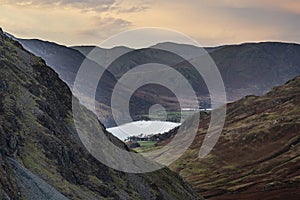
<point x="258" y="154"/>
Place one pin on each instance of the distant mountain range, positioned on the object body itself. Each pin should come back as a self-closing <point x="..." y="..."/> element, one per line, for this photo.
<point x="251" y="68"/>
<point x="258" y="153"/>
<point x="41" y="156"/>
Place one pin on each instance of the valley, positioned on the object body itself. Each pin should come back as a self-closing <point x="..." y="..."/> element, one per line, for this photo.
<point x="256" y="157"/>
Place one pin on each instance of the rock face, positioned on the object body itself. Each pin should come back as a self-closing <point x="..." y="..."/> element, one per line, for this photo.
<point x="39" y="148"/>
<point x="258" y="153"/>
<point x="32" y="186"/>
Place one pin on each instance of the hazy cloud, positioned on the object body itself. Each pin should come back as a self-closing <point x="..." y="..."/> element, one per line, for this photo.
<point x="103" y="28"/>
<point x="236" y="21"/>
<point x="131" y="9"/>
<point x="279" y="5"/>
<point x="95" y="5"/>
<point x="210" y="22"/>
<point x="272" y="14"/>
<point x="85" y="5"/>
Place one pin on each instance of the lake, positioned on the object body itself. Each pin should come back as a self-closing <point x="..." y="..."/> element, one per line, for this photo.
<point x="141" y="127"/>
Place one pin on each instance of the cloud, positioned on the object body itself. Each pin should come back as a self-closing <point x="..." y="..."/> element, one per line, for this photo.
<point x="65" y="26"/>
<point x="68" y="21"/>
<point x="210" y="22"/>
<point x="226" y="21"/>
<point x="263" y="19"/>
<point x="131" y="6"/>
<point x="86" y="5"/>
<point x="280" y="20"/>
<point x="103" y="28"/>
<point x="277" y="5"/>
<point x="132" y="9"/>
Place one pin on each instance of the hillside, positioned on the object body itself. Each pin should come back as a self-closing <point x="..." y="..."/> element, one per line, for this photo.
<point x="258" y="153"/>
<point x="255" y="68"/>
<point x="41" y="156"/>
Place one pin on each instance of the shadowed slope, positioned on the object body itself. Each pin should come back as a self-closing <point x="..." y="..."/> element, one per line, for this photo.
<point x="38" y="132"/>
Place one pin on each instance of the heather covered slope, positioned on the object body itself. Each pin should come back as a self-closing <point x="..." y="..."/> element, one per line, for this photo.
<point x="258" y="153"/>
<point x="41" y="155"/>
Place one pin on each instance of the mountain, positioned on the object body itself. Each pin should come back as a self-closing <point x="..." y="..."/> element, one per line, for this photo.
<point x="246" y="69"/>
<point x="104" y="55"/>
<point x="258" y="154"/>
<point x="255" y="68"/>
<point x="251" y="68"/>
<point x="41" y="156"/>
<point x="67" y="61"/>
<point x="124" y="60"/>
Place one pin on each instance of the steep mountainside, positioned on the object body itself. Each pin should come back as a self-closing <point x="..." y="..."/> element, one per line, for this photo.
<point x="66" y="62"/>
<point x="41" y="155"/>
<point x="258" y="153"/>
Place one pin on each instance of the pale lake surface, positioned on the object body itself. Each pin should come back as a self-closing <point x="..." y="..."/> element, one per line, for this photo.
<point x="141" y="127"/>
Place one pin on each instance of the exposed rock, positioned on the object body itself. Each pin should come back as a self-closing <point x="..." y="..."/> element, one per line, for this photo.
<point x="32" y="186"/>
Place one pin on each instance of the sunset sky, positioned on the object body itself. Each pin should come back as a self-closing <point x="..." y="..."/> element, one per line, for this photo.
<point x="210" y="22"/>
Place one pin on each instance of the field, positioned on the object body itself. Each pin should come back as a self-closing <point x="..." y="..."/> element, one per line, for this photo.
<point x="146" y="146"/>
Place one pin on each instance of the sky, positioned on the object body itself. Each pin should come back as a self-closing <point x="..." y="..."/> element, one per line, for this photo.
<point x="209" y="22"/>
